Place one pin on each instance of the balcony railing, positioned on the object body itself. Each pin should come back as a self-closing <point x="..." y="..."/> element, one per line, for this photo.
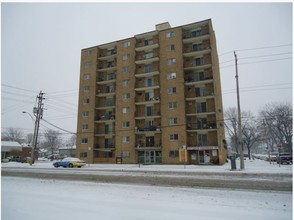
<point x="201" y="126"/>
<point x="146" y="129"/>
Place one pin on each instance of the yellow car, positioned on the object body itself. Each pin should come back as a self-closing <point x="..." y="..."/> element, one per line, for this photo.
<point x="70" y="162"/>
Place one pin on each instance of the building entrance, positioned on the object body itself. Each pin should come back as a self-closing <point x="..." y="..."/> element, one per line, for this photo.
<point x="149" y="157"/>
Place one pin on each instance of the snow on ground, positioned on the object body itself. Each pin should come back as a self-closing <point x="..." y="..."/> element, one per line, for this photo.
<point x="39" y="199"/>
<point x="251" y="166"/>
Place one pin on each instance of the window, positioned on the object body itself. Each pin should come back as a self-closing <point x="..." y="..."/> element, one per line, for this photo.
<point x="171" y="76"/>
<point x="126" y="83"/>
<point x="173" y="137"/>
<point x="201" y="107"/>
<point x="199" y="76"/>
<point x="170" y="34"/>
<point x="171" y="61"/>
<point x="150" y="142"/>
<point x="126" y="56"/>
<point x="110" y="76"/>
<point x="173" y="121"/>
<point x="125" y="154"/>
<point x="84" y="140"/>
<point x="110" y="64"/>
<point x="85" y="127"/>
<point x="174" y="153"/>
<point x="108" y="142"/>
<point x="125" y="124"/>
<point x="148" y="55"/>
<point x="200" y="91"/>
<point x="88" y="53"/>
<point x="199" y="61"/>
<point x="125" y="110"/>
<point x="125" y="139"/>
<point x="201" y="123"/>
<point x="149" y="111"/>
<point x="148" y="68"/>
<point x="126" y="44"/>
<point x="85" y="114"/>
<point x="202" y="139"/>
<point x="170" y="47"/>
<point x="83" y="154"/>
<point x="126" y="96"/>
<point x="86" y="101"/>
<point x="172" y="105"/>
<point x="87" y="76"/>
<point x="87" y="65"/>
<point x="109" y="102"/>
<point x="198" y="47"/>
<point x="149" y="82"/>
<point x="149" y="96"/>
<point x="126" y="69"/>
<point x="172" y="90"/>
<point x="148" y="42"/>
<point x="86" y="88"/>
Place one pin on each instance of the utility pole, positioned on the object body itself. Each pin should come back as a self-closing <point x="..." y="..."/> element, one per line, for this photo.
<point x="240" y="142"/>
<point x="38" y="112"/>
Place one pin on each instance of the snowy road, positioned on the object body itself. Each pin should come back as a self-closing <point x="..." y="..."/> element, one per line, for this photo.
<point x="232" y="180"/>
<point x="35" y="199"/>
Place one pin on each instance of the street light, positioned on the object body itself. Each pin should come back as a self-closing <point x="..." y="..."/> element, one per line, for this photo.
<point x="35" y="138"/>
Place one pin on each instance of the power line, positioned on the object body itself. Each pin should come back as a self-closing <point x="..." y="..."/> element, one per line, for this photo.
<point x="57" y="127"/>
<point x="27" y="90"/>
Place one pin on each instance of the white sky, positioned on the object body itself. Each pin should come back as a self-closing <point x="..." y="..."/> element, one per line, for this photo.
<point x="41" y="44"/>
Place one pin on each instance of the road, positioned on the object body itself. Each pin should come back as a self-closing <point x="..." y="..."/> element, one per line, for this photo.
<point x="232" y="180"/>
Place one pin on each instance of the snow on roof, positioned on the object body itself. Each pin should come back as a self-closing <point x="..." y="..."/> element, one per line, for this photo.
<point x="67" y="148"/>
<point x="7" y="146"/>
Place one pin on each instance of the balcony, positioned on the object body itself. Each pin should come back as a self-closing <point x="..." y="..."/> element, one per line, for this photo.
<point x="150" y="129"/>
<point x="105" y="91"/>
<point x="196" y="52"/>
<point x="106" y="79"/>
<point x="105" y="104"/>
<point x="109" y="54"/>
<point x="197" y="78"/>
<point x="104" y="118"/>
<point x="144" y="141"/>
<point x="147" y="57"/>
<point x="146" y="44"/>
<point x="107" y="66"/>
<point x="147" y="98"/>
<point x="148" y="112"/>
<point x="199" y="108"/>
<point x="202" y="33"/>
<point x="199" y="63"/>
<point x="201" y="126"/>
<point x="147" y="83"/>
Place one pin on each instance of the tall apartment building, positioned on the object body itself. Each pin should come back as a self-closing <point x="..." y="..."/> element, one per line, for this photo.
<point x="146" y="97"/>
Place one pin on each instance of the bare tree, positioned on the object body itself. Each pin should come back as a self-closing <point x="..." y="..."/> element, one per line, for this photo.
<point x="231" y="125"/>
<point x="250" y="131"/>
<point x="52" y="140"/>
<point x="29" y="139"/>
<point x="277" y="124"/>
<point x="12" y="134"/>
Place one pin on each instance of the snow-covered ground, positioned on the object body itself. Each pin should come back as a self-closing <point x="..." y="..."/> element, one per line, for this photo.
<point x="251" y="166"/>
<point x="39" y="199"/>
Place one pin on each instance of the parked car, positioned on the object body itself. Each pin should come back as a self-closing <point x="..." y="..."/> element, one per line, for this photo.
<point x="284" y="158"/>
<point x="69" y="162"/>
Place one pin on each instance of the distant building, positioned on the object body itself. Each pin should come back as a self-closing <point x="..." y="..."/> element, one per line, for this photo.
<point x="10" y="148"/>
<point x="149" y="98"/>
<point x="67" y="151"/>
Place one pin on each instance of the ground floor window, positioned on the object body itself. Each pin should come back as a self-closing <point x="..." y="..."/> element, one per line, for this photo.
<point x="204" y="156"/>
<point x="174" y="153"/>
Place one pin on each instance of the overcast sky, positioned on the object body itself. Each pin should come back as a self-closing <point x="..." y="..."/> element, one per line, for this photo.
<point x="41" y="45"/>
